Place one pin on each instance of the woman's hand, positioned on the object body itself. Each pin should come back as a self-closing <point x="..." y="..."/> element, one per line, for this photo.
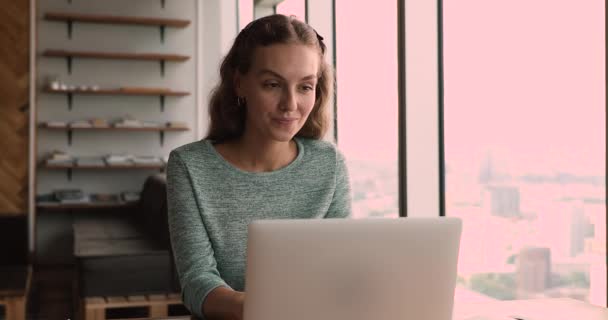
<point x="224" y="304"/>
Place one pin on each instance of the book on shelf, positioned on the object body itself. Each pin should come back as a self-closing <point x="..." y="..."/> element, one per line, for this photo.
<point x="70" y="196"/>
<point x="59" y="162"/>
<point x="105" y="198"/>
<point x="128" y="124"/>
<point x="56" y="124"/>
<point x="130" y="196"/>
<point x="84" y="199"/>
<point x="147" y="160"/>
<point x="119" y="160"/>
<point x="99" y="123"/>
<point x="59" y="158"/>
<point x="90" y="162"/>
<point x="81" y="124"/>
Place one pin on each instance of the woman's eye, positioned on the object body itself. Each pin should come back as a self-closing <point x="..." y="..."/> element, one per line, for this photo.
<point x="307" y="88"/>
<point x="272" y="85"/>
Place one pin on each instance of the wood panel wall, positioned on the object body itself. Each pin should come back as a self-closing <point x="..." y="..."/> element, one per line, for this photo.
<point x="14" y="106"/>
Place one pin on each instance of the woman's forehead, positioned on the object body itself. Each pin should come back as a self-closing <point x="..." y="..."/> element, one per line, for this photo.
<point x="287" y="60"/>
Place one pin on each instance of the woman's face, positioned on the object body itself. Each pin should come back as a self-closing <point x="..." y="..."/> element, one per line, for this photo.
<point x="279" y="89"/>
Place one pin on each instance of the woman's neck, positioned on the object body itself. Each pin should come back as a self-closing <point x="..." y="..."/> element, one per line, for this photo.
<point x="257" y="155"/>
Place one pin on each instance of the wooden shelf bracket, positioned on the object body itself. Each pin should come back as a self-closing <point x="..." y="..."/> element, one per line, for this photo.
<point x="70" y="24"/>
<point x="70" y="96"/>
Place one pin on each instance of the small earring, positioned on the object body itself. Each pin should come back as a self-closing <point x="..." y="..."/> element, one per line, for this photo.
<point x="240" y="102"/>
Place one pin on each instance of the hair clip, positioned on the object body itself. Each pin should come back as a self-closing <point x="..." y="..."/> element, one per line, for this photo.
<point x="318" y="35"/>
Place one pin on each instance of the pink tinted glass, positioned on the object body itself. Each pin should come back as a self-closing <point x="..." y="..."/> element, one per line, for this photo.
<point x="525" y="147"/>
<point x="293" y="7"/>
<point x="367" y="103"/>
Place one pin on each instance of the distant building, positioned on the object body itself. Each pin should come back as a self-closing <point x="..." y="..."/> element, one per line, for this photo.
<point x="504" y="201"/>
<point x="534" y="269"/>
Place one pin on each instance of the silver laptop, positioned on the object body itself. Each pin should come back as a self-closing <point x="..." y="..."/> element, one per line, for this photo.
<point x="343" y="269"/>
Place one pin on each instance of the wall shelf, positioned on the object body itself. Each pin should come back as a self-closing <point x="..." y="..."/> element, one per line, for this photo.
<point x="56" y="206"/>
<point x="109" y="19"/>
<point x="160" y="130"/>
<point x="69" y="55"/>
<point x="70" y="18"/>
<point x="119" y="91"/>
<point x="71" y="167"/>
<point x="126" y="91"/>
<point x="106" y="167"/>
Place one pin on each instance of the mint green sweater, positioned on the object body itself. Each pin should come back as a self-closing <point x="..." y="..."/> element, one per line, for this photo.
<point x="211" y="202"/>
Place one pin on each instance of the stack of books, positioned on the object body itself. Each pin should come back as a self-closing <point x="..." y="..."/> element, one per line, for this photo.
<point x="70" y="196"/>
<point x="147" y="160"/>
<point x="127" y="123"/>
<point x="130" y="196"/>
<point x="119" y="160"/>
<point x="105" y="198"/>
<point x="81" y="124"/>
<point x="59" y="158"/>
<point x="56" y="124"/>
<point x="90" y="162"/>
<point x="99" y="123"/>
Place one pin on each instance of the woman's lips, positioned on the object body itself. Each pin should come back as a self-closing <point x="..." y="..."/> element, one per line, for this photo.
<point x="285" y="121"/>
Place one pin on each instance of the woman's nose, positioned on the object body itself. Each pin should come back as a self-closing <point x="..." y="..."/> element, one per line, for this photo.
<point x="288" y="101"/>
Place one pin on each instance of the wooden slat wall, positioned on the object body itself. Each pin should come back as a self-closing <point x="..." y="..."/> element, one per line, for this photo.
<point x="14" y="108"/>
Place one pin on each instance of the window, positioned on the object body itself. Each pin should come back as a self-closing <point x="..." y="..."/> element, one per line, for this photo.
<point x="367" y="103"/>
<point x="245" y="11"/>
<point x="524" y="115"/>
<point x="293" y="7"/>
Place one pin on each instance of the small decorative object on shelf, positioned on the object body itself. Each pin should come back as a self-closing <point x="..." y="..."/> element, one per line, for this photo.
<point x="70" y="196"/>
<point x="81" y="124"/>
<point x="105" y="198"/>
<point x="130" y="196"/>
<point x="59" y="158"/>
<point x="56" y="124"/>
<point x="119" y="160"/>
<point x="99" y="123"/>
<point x="127" y="122"/>
<point x="90" y="162"/>
<point x="147" y="160"/>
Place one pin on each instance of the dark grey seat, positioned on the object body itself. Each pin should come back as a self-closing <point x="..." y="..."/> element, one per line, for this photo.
<point x="127" y="254"/>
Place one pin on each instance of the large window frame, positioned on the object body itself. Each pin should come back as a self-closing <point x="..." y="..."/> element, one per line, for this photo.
<point x="440" y="170"/>
<point x="420" y="100"/>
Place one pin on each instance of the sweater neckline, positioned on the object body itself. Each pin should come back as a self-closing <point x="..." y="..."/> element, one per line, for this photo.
<point x="233" y="168"/>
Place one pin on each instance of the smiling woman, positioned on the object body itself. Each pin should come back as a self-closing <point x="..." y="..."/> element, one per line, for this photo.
<point x="263" y="158"/>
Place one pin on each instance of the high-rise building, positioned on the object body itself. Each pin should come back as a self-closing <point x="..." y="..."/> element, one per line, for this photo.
<point x="534" y="269"/>
<point x="504" y="201"/>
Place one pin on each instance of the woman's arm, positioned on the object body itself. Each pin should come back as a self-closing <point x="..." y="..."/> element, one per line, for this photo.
<point x="340" y="206"/>
<point x="225" y="304"/>
<point x="192" y="249"/>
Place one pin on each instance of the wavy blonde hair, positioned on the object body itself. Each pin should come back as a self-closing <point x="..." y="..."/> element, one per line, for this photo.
<point x="227" y="118"/>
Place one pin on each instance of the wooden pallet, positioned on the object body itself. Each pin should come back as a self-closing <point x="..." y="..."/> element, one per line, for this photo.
<point x="14" y="296"/>
<point x="157" y="304"/>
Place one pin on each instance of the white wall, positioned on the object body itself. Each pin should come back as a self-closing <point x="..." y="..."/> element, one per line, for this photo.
<point x="115" y="73"/>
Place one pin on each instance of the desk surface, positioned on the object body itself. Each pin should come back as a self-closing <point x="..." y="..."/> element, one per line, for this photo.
<point x="537" y="309"/>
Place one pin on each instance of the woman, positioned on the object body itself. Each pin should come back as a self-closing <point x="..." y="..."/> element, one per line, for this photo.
<point x="262" y="159"/>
